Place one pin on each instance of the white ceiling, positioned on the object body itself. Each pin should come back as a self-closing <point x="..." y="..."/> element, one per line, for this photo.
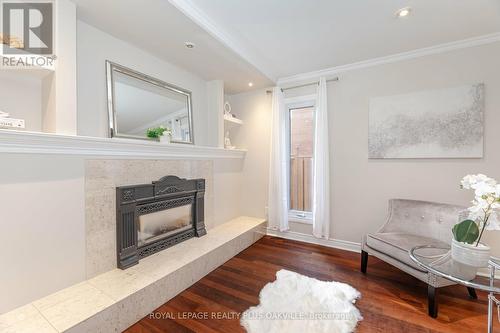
<point x="289" y="37"/>
<point x="259" y="41"/>
<point x="161" y="29"/>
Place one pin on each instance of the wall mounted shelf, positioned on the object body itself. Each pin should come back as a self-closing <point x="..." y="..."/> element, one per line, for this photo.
<point x="233" y="120"/>
<point x="30" y="71"/>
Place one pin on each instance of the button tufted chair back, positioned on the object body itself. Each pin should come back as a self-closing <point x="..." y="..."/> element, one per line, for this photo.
<point x="423" y="218"/>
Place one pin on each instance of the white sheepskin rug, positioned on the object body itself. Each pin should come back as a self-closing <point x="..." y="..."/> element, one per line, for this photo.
<point x="297" y="303"/>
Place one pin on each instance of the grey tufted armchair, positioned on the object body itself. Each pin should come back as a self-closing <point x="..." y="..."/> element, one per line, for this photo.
<point x="412" y="223"/>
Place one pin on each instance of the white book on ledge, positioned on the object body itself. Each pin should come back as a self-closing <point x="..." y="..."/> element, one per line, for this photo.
<point x="11" y="123"/>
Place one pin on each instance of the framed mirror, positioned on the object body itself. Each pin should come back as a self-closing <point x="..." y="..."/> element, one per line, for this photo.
<point x="138" y="102"/>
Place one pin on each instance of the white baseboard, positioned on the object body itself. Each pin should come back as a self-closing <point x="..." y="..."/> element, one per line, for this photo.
<point x="334" y="243"/>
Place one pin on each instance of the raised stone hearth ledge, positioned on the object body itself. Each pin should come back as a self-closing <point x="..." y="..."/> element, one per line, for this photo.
<point x="115" y="300"/>
<point x="43" y="143"/>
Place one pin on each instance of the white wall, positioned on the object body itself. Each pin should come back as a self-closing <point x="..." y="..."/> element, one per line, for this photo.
<point x="94" y="47"/>
<point x="370" y="183"/>
<point x="21" y="96"/>
<point x="59" y="89"/>
<point x="361" y="187"/>
<point x="227" y="190"/>
<point x="66" y="73"/>
<point x="254" y="108"/>
<point x="215" y="106"/>
<point x="42" y="243"/>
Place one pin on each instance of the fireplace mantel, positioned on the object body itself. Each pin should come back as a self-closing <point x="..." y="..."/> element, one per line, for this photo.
<point x="43" y="143"/>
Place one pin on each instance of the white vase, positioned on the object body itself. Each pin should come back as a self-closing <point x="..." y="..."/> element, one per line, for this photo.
<point x="165" y="139"/>
<point x="470" y="254"/>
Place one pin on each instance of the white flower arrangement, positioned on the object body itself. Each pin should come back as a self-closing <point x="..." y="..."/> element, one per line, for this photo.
<point x="166" y="130"/>
<point x="486" y="202"/>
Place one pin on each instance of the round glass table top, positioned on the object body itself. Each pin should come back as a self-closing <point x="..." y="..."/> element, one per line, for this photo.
<point x="438" y="261"/>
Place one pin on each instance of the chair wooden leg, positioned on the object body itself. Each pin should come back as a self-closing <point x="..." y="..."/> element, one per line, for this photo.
<point x="432" y="294"/>
<point x="364" y="261"/>
<point x="472" y="292"/>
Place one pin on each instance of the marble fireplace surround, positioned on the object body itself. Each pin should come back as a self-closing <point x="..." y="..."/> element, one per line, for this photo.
<point x="101" y="179"/>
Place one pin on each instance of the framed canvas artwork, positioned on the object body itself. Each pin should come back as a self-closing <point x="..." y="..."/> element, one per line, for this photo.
<point x="444" y="123"/>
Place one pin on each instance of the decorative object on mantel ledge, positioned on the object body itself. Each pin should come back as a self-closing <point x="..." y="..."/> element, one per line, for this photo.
<point x="43" y="143"/>
<point x="161" y="133"/>
<point x="227" y="141"/>
<point x="166" y="139"/>
<point x="153" y="217"/>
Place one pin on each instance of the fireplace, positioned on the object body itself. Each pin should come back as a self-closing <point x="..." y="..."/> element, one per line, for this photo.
<point x="152" y="217"/>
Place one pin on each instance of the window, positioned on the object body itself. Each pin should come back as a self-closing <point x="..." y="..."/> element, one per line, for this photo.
<point x="301" y="145"/>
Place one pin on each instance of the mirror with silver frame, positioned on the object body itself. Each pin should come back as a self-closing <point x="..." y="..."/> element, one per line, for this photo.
<point x="138" y="102"/>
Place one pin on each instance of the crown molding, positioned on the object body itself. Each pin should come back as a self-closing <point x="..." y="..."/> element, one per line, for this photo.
<point x="199" y="17"/>
<point x="437" y="49"/>
<point x="18" y="142"/>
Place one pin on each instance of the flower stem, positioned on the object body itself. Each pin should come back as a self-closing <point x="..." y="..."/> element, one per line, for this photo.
<point x="482" y="229"/>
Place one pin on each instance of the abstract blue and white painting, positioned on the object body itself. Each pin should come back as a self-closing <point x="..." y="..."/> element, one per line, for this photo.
<point x="444" y="123"/>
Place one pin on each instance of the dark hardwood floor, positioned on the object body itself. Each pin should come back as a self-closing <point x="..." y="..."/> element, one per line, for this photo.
<point x="392" y="301"/>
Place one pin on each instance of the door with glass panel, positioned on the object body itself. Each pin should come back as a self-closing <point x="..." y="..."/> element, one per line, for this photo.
<point x="301" y="131"/>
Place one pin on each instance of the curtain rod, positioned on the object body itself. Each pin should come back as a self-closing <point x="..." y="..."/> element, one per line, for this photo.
<point x="303" y="85"/>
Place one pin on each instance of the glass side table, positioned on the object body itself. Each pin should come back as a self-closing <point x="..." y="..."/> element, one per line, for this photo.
<point x="438" y="261"/>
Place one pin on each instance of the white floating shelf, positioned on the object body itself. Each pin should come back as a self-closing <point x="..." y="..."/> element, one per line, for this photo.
<point x="233" y="120"/>
<point x="28" y="70"/>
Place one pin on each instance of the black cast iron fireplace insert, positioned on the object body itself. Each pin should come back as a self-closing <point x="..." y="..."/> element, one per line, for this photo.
<point x="152" y="217"/>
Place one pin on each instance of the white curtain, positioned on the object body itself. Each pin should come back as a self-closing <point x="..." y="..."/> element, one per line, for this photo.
<point x="321" y="178"/>
<point x="278" y="175"/>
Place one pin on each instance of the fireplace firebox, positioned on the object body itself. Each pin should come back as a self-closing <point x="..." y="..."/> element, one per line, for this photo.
<point x="152" y="217"/>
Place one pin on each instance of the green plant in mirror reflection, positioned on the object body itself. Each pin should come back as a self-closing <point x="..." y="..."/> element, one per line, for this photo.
<point x="157" y="132"/>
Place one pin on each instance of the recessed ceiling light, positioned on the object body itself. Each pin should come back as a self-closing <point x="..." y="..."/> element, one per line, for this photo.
<point x="189" y="45"/>
<point x="250" y="84"/>
<point x="403" y="12"/>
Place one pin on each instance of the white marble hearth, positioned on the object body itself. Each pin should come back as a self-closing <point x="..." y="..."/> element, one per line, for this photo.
<point x="113" y="301"/>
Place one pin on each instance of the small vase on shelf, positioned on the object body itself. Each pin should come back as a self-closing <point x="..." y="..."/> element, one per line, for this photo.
<point x="166" y="138"/>
<point x="227" y="142"/>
